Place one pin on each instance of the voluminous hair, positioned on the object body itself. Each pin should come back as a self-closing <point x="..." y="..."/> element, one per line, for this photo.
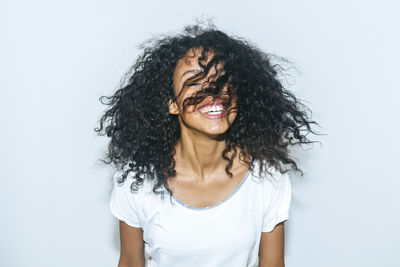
<point x="143" y="133"/>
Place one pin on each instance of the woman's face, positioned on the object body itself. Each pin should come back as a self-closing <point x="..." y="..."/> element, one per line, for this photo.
<point x="207" y="117"/>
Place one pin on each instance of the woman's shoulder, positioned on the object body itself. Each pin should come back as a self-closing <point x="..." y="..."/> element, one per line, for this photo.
<point x="270" y="176"/>
<point x="276" y="194"/>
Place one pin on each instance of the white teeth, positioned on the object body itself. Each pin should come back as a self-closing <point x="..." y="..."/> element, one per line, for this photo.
<point x="214" y="109"/>
<point x="214" y="112"/>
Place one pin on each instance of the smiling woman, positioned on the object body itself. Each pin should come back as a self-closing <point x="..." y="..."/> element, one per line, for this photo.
<point x="219" y="110"/>
<point x="203" y="118"/>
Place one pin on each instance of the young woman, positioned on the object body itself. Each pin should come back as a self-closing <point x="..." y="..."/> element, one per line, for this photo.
<point x="204" y="119"/>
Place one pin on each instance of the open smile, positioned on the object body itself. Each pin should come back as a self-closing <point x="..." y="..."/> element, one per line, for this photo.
<point x="213" y="111"/>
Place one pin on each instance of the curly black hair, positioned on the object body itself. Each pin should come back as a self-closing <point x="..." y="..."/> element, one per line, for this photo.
<point x="144" y="134"/>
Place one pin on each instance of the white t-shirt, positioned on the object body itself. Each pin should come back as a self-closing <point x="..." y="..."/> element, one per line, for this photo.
<point x="225" y="234"/>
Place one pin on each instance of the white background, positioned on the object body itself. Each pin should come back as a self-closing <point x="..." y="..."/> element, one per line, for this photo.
<point x="58" y="57"/>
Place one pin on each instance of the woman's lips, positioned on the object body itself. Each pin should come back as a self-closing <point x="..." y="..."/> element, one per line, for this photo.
<point x="206" y="112"/>
<point x="214" y="116"/>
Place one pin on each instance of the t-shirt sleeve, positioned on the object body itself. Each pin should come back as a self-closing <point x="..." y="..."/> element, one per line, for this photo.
<point x="123" y="203"/>
<point x="278" y="208"/>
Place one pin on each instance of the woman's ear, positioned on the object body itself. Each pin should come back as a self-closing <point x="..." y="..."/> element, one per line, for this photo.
<point x="173" y="107"/>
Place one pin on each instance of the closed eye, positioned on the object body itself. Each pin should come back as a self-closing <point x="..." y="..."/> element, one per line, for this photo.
<point x="193" y="84"/>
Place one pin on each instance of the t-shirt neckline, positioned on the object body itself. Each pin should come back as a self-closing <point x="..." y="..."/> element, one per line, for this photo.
<point x="216" y="204"/>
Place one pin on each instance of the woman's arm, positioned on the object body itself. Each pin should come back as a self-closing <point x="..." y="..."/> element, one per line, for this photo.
<point x="271" y="253"/>
<point x="132" y="246"/>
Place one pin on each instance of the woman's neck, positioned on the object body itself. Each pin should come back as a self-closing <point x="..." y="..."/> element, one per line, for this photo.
<point x="200" y="156"/>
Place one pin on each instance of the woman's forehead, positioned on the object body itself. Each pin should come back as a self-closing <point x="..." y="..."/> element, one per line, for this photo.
<point x="190" y="65"/>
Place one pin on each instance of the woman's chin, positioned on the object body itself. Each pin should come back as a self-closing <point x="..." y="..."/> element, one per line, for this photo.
<point x="214" y="133"/>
